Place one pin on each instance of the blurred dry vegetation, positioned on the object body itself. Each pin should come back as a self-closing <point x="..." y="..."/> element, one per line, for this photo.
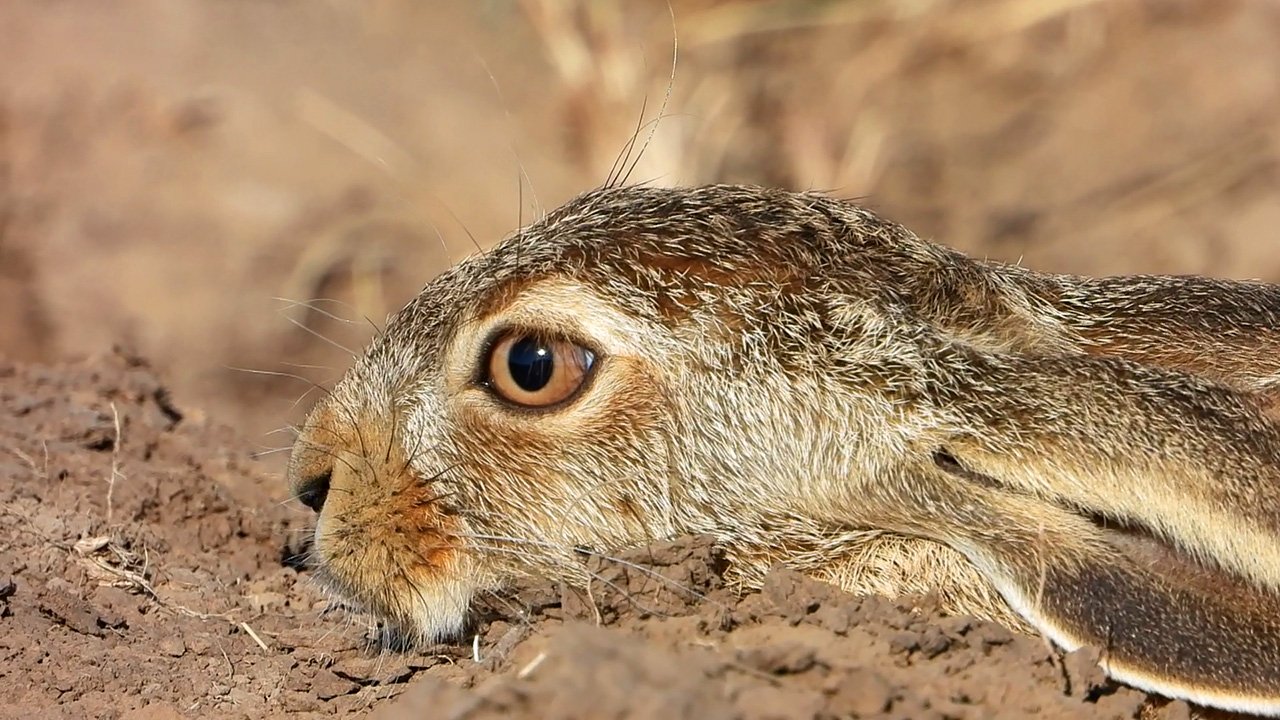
<point x="208" y="182"/>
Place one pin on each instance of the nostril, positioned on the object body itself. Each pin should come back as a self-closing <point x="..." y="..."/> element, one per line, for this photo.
<point x="313" y="491"/>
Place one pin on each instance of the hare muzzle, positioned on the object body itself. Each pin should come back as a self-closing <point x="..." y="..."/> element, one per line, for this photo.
<point x="383" y="536"/>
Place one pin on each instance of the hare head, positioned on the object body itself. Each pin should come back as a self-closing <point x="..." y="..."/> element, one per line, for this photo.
<point x="786" y="370"/>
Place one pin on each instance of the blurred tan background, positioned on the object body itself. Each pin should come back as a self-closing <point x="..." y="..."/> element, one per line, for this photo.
<point x="185" y="177"/>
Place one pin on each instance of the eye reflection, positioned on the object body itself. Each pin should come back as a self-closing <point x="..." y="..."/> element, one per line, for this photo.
<point x="531" y="364"/>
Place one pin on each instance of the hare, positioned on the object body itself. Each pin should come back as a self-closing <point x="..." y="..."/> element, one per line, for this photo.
<point x="1093" y="458"/>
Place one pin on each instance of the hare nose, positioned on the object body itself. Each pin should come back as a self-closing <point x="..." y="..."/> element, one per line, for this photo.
<point x="313" y="491"/>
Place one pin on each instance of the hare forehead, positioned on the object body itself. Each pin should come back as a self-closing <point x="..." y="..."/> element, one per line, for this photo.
<point x="562" y="308"/>
<point x="636" y="270"/>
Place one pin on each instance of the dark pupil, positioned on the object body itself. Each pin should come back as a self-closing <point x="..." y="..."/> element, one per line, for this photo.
<point x="531" y="364"/>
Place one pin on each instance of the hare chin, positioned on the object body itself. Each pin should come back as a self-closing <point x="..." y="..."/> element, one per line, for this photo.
<point x="419" y="610"/>
<point x="425" y="613"/>
<point x="421" y="613"/>
<point x="437" y="611"/>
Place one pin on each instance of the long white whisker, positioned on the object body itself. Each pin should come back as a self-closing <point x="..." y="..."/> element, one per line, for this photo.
<point x="335" y="343"/>
<point x="310" y="305"/>
<point x="675" y="57"/>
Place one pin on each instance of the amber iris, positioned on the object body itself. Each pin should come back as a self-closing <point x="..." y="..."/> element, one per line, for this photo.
<point x="531" y="372"/>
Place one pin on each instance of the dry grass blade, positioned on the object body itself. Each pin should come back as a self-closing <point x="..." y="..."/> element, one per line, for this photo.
<point x="116" y="442"/>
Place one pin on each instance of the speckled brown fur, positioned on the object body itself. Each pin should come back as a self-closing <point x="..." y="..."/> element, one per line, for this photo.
<point x="812" y="384"/>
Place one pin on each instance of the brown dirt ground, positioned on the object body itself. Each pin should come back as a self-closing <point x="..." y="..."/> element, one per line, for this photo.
<point x="146" y="571"/>
<point x="169" y="168"/>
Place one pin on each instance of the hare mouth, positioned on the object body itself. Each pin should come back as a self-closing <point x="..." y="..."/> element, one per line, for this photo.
<point x="410" y="612"/>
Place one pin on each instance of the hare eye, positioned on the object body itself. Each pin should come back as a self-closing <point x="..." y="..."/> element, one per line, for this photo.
<point x="531" y="372"/>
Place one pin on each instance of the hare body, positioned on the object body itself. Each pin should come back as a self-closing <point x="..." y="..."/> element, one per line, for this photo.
<point x="1094" y="458"/>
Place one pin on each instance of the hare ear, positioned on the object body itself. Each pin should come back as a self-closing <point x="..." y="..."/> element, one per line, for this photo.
<point x="1197" y="464"/>
<point x="1165" y="622"/>
<point x="1126" y="507"/>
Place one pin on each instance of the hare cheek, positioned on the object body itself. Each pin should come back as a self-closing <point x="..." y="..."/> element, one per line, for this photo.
<point x="586" y="471"/>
